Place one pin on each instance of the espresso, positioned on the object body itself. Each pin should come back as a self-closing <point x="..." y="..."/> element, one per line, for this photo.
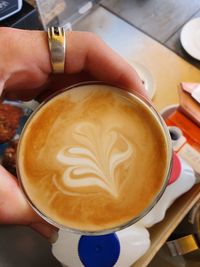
<point x="93" y="158"/>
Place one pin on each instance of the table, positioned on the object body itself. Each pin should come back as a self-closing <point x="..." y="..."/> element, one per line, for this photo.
<point x="168" y="70"/>
<point x="162" y="20"/>
<point x="20" y="246"/>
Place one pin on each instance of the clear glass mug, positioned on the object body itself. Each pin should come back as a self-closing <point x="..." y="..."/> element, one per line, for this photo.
<point x="156" y="198"/>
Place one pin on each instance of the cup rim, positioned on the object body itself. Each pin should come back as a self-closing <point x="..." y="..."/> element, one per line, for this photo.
<point x="157" y="196"/>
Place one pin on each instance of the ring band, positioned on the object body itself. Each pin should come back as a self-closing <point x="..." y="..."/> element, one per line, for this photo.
<point x="56" y="38"/>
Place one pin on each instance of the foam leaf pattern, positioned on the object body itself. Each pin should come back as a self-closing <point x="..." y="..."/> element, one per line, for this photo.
<point x="93" y="162"/>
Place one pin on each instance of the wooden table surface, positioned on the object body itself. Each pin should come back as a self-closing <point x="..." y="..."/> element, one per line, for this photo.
<point x="162" y="20"/>
<point x="168" y="71"/>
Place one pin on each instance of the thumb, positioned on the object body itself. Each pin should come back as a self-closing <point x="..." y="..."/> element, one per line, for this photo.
<point x="14" y="209"/>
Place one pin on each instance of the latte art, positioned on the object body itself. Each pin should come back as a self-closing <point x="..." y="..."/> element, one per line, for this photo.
<point x="91" y="163"/>
<point x="93" y="158"/>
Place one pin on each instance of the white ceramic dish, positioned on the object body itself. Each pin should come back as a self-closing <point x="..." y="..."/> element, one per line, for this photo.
<point x="145" y="76"/>
<point x="190" y="38"/>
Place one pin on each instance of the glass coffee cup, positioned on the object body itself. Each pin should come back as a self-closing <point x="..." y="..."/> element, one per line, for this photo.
<point x="94" y="158"/>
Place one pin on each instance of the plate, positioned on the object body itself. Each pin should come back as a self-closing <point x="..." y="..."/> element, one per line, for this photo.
<point x="190" y="38"/>
<point x="146" y="76"/>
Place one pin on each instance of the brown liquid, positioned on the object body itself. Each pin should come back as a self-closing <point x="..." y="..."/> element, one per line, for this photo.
<point x="93" y="158"/>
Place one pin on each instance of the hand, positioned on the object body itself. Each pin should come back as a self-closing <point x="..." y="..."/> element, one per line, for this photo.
<point x="25" y="68"/>
<point x="25" y="73"/>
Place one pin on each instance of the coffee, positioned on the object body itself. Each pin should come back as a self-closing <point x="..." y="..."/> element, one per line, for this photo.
<point x="93" y="157"/>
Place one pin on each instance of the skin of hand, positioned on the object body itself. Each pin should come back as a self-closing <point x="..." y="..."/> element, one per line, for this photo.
<point x="26" y="73"/>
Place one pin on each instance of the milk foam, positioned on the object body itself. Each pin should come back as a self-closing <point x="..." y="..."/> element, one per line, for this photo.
<point x="92" y="158"/>
<point x="86" y="165"/>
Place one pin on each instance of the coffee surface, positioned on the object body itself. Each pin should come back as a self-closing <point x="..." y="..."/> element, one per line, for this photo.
<point x="93" y="158"/>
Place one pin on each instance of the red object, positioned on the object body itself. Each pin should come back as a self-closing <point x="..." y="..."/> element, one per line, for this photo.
<point x="190" y="130"/>
<point x="176" y="169"/>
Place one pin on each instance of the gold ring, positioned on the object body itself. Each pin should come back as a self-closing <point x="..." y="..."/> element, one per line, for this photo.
<point x="56" y="38"/>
